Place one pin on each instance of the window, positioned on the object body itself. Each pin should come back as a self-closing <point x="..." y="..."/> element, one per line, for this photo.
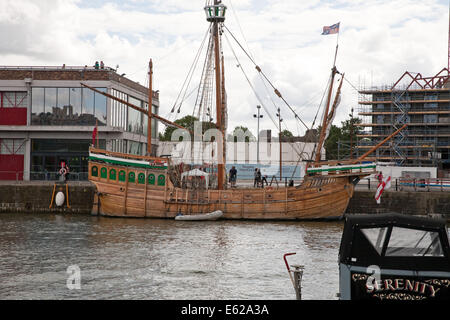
<point x="119" y="110"/>
<point x="380" y="119"/>
<point x="63" y="98"/>
<point x="87" y="101"/>
<point x="37" y="101"/>
<point x="68" y="106"/>
<point x="433" y="104"/>
<point x="12" y="146"/>
<point x="410" y="242"/>
<point x="100" y="107"/>
<point x="75" y="101"/>
<point x="134" y="148"/>
<point x="430" y="118"/>
<point x="14" y="99"/>
<point x="50" y="100"/>
<point x="376" y="237"/>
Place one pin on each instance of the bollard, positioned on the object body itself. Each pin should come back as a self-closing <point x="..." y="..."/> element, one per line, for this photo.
<point x="298" y="274"/>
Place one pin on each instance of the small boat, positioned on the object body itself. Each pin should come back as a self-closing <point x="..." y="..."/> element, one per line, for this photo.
<point x="200" y="217"/>
<point x="394" y="257"/>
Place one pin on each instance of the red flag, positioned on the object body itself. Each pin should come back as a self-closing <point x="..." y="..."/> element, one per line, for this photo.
<point x="94" y="135"/>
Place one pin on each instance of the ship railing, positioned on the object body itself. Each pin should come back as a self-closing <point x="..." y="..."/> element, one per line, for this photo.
<point x="125" y="155"/>
<point x="346" y="167"/>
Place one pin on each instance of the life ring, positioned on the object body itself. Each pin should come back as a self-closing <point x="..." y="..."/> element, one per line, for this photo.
<point x="63" y="171"/>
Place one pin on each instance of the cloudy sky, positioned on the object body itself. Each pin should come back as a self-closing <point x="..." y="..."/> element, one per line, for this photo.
<point x="378" y="41"/>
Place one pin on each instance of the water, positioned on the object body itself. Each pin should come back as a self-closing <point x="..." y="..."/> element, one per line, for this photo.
<point x="164" y="259"/>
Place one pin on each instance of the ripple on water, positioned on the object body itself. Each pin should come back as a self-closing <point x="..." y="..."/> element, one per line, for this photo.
<point x="164" y="259"/>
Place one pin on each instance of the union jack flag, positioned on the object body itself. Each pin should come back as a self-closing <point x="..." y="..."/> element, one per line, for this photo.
<point x="331" y="29"/>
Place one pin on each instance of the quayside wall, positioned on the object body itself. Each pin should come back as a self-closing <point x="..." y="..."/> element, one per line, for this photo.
<point x="36" y="197"/>
<point x="433" y="203"/>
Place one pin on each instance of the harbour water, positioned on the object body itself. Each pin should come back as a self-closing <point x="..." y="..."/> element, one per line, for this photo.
<point x="164" y="259"/>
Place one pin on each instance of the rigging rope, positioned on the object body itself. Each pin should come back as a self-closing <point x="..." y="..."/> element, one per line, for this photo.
<point x="249" y="82"/>
<point x="189" y="75"/>
<point x="267" y="79"/>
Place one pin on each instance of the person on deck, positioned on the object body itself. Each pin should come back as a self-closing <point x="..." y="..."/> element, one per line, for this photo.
<point x="264" y="180"/>
<point x="259" y="178"/>
<point x="255" y="181"/>
<point x="233" y="176"/>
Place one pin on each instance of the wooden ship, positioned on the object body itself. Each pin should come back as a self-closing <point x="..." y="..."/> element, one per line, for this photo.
<point x="150" y="187"/>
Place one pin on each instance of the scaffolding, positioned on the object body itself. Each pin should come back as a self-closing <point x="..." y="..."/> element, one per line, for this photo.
<point x="421" y="102"/>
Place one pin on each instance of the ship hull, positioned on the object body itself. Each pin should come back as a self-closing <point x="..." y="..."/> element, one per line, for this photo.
<point x="317" y="198"/>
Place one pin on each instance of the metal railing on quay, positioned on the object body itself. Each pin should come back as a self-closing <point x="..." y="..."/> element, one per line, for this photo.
<point x="41" y="176"/>
<point x="408" y="184"/>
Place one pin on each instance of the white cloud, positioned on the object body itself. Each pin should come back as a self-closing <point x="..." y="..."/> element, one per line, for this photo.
<point x="379" y="40"/>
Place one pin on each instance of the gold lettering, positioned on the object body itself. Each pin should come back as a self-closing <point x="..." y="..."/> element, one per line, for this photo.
<point x="434" y="291"/>
<point x="388" y="285"/>
<point x="409" y="285"/>
<point x="399" y="284"/>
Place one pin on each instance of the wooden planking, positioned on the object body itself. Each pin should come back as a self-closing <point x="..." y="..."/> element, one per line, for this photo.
<point x="317" y="198"/>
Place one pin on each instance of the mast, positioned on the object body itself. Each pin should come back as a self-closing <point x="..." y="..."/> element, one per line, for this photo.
<point x="150" y="107"/>
<point x="216" y="15"/>
<point x="325" y="116"/>
<point x="280" y="141"/>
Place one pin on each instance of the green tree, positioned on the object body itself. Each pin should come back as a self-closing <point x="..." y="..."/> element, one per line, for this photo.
<point x="249" y="136"/>
<point x="188" y="123"/>
<point x="286" y="133"/>
<point x="349" y="128"/>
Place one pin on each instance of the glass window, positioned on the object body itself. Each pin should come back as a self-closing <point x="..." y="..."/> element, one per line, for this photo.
<point x="63" y="97"/>
<point x="75" y="101"/>
<point x="380" y="119"/>
<point x="21" y="99"/>
<point x="145" y="124"/>
<point x="134" y="121"/>
<point x="410" y="242"/>
<point x="50" y="99"/>
<point x="154" y="123"/>
<point x="37" y="105"/>
<point x="376" y="237"/>
<point x="14" y="100"/>
<point x="88" y="102"/>
<point x="431" y="105"/>
<point x="430" y="118"/>
<point x="9" y="99"/>
<point x="134" y="148"/>
<point x="134" y="117"/>
<point x="100" y="107"/>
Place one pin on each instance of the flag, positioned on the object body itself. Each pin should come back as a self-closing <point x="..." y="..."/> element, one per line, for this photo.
<point x="331" y="29"/>
<point x="384" y="184"/>
<point x="94" y="135"/>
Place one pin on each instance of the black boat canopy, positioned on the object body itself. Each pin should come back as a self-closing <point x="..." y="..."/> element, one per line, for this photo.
<point x="394" y="241"/>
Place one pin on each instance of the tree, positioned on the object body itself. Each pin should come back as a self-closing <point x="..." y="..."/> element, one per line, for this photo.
<point x="286" y="133"/>
<point x="186" y="122"/>
<point x="349" y="128"/>
<point x="248" y="134"/>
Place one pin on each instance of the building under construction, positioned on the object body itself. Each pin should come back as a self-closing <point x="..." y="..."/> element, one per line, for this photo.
<point x="421" y="102"/>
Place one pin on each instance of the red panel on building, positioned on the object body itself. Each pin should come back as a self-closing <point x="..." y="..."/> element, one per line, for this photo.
<point x="13" y="116"/>
<point x="11" y="167"/>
